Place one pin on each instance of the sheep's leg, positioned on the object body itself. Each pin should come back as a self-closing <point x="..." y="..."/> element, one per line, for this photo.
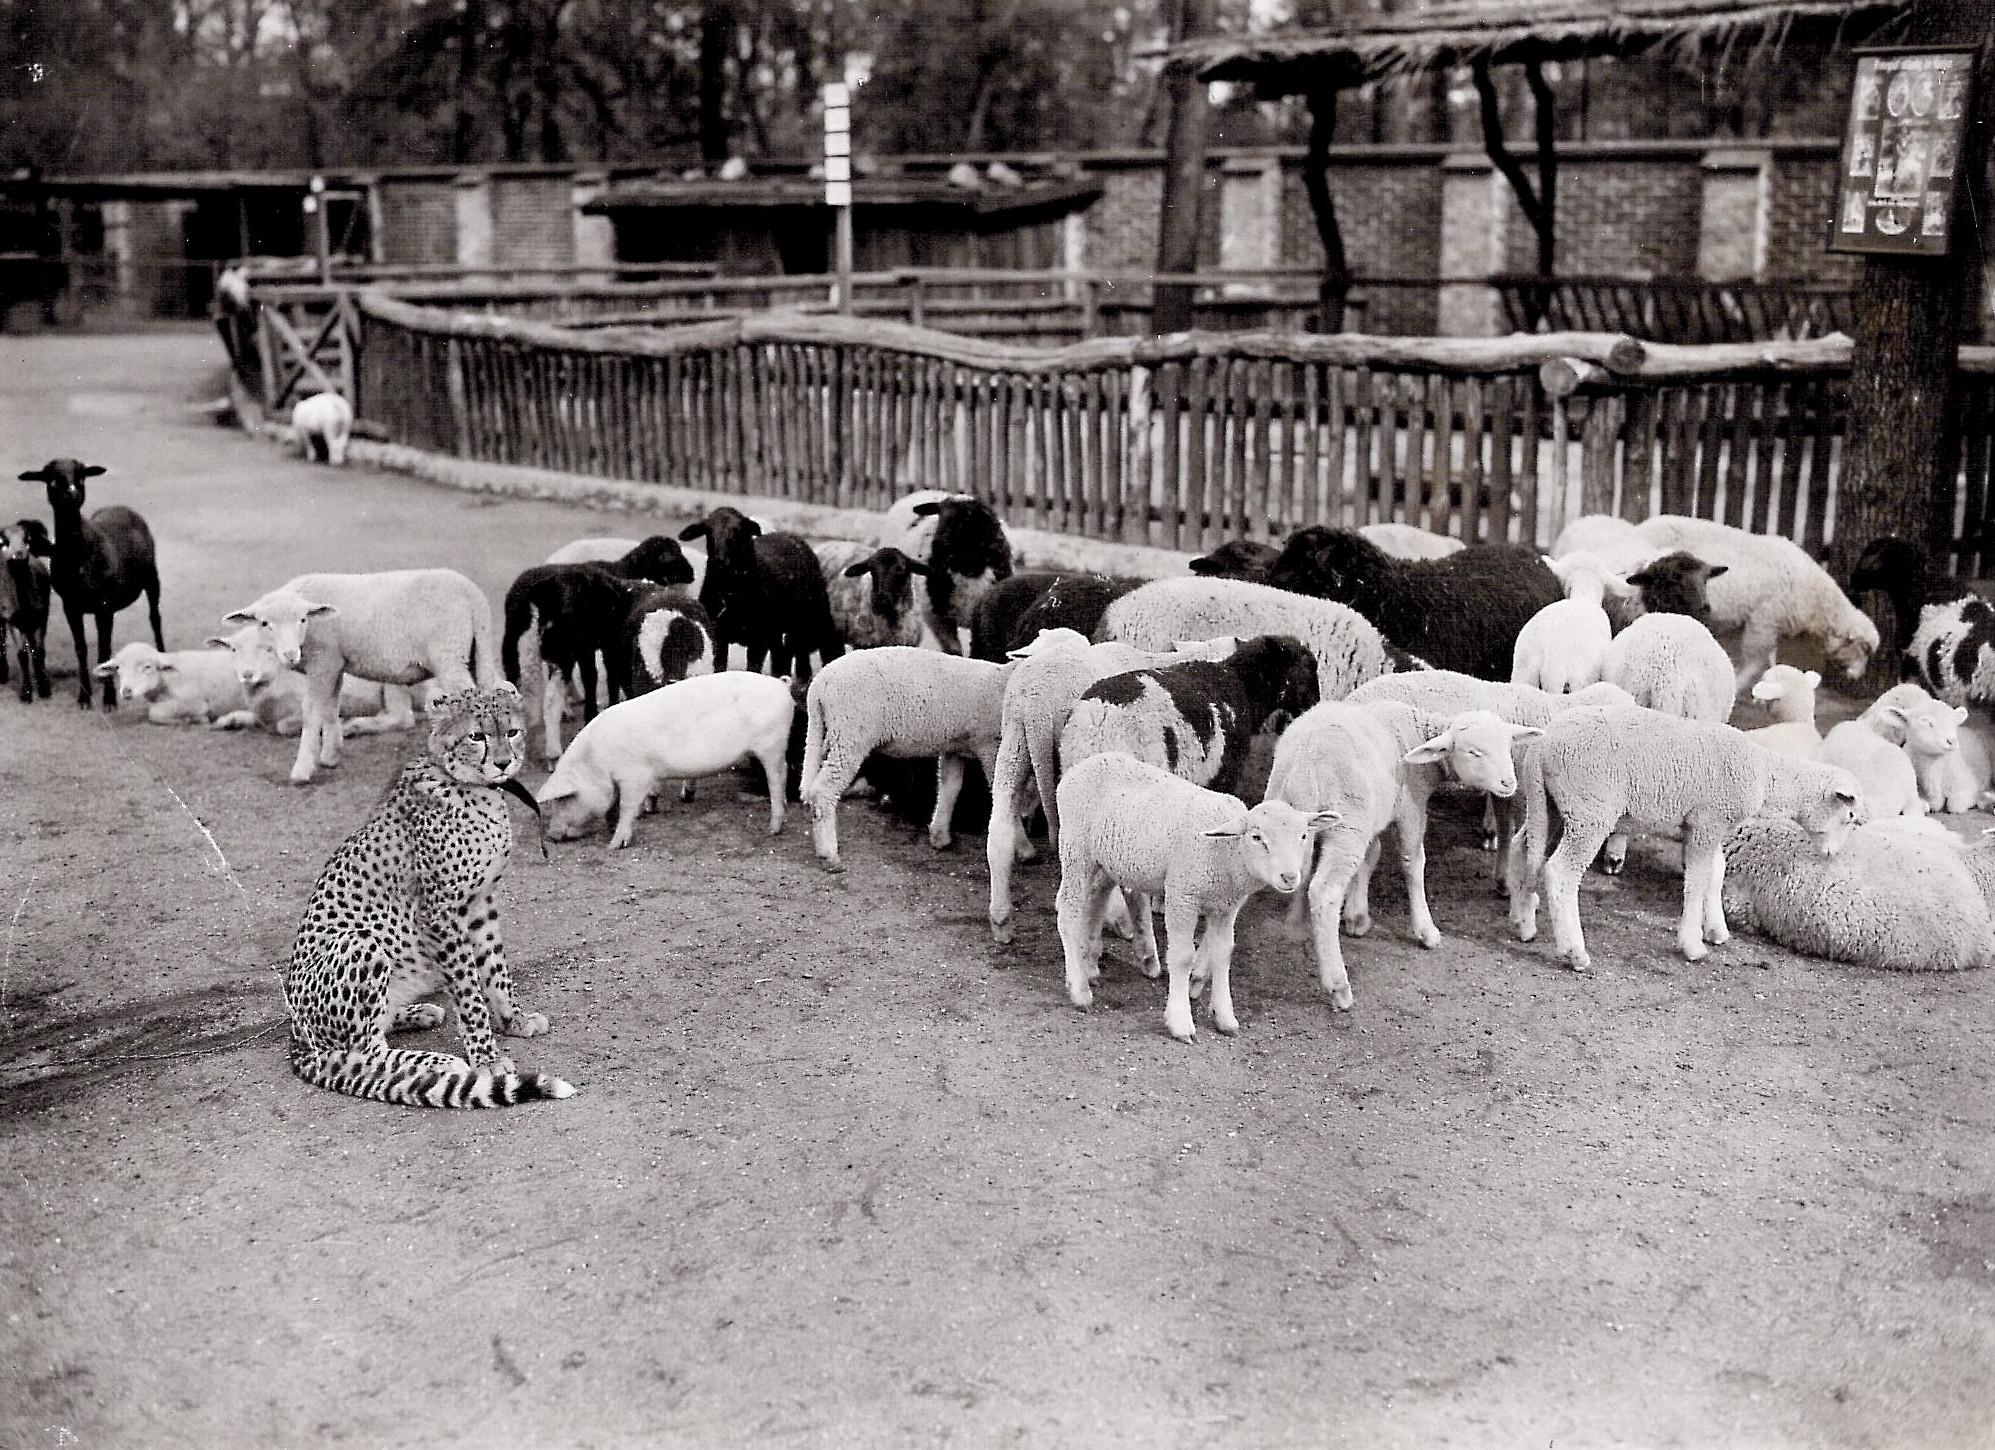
<point x="1216" y="947"/>
<point x="1492" y="829"/>
<point x="25" y="657"/>
<point x="1411" y="826"/>
<point x="1702" y="882"/>
<point x="1007" y="785"/>
<point x="1136" y="907"/>
<point x="948" y="785"/>
<point x="1759" y="642"/>
<point x="331" y="737"/>
<point x="826" y="787"/>
<point x="1715" y="930"/>
<point x="587" y="665"/>
<point x="553" y="705"/>
<point x="1338" y="858"/>
<point x="1508" y="838"/>
<point x="1563" y="869"/>
<point x="152" y="611"/>
<point x="776" y="770"/>
<point x="1358" y="897"/>
<point x="85" y="696"/>
<point x="105" y="625"/>
<point x="1077" y="906"/>
<point x="1180" y="948"/>
<point x="39" y="648"/>
<point x="756" y="654"/>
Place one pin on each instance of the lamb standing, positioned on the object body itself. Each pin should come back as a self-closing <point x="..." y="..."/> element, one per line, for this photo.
<point x="1132" y="826"/>
<point x="321" y="425"/>
<point x="24" y="555"/>
<point x="1563" y="647"/>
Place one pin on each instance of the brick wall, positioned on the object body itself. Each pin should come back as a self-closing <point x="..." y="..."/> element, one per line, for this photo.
<point x="418" y="221"/>
<point x="533" y="220"/>
<point x="1802" y="199"/>
<point x="1626" y="216"/>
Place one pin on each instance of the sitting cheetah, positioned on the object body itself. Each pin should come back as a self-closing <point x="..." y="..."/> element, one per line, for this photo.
<point x="405" y="907"/>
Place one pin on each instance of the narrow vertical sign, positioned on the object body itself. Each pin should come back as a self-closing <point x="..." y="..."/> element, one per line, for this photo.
<point x="1901" y="151"/>
<point x="838" y="184"/>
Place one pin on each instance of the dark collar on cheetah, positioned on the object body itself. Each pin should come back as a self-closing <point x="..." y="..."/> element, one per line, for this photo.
<point x="512" y="787"/>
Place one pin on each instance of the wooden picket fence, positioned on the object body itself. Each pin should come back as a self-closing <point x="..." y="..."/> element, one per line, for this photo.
<point x="1179" y="442"/>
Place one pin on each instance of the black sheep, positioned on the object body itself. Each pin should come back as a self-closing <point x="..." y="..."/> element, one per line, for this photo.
<point x="1900" y="570"/>
<point x="1462" y="612"/>
<point x="1197" y="719"/>
<point x="578" y="612"/>
<point x="994" y="620"/>
<point x="1674" y="584"/>
<point x="98" y="566"/>
<point x="1237" y="559"/>
<point x="1076" y="602"/>
<point x="658" y="558"/>
<point x="25" y="550"/>
<point x="766" y="593"/>
<point x="967" y="556"/>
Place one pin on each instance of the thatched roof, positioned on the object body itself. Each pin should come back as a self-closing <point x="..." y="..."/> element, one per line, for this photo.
<point x="1455" y="32"/>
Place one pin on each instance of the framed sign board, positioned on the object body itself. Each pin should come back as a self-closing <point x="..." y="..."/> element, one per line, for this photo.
<point x="1901" y="151"/>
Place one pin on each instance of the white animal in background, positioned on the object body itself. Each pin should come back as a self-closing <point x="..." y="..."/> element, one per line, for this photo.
<point x="1866" y="751"/>
<point x="321" y="426"/>
<point x="1409" y="541"/>
<point x="1134" y="827"/>
<point x="681" y="731"/>
<point x="1789" y="697"/>
<point x="398" y="627"/>
<point x="181" y="687"/>
<point x="1949" y="758"/>
<point x="1563" y="647"/>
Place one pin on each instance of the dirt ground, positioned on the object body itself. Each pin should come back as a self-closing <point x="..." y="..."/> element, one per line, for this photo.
<point x="843" y="1173"/>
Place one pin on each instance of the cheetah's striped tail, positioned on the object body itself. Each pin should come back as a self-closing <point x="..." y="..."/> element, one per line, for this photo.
<point x="422" y="1079"/>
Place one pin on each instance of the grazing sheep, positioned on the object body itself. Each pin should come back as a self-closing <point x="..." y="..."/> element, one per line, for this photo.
<point x="872" y="592"/>
<point x="1902" y="571"/>
<point x="764" y="592"/>
<point x="964" y="544"/>
<point x="1789" y="696"/>
<point x="275" y="694"/>
<point x="1949" y="758"/>
<point x="1671" y="663"/>
<point x="689" y="728"/>
<point x="1890" y="784"/>
<point x="1770" y="590"/>
<point x="399" y="627"/>
<point x="1348" y="648"/>
<point x="901" y="702"/>
<point x="1662" y="773"/>
<point x="1238" y="559"/>
<point x="181" y="687"/>
<point x="1195" y="718"/>
<point x="1462" y="612"/>
<point x="321" y="425"/>
<point x="1133" y="826"/>
<point x="1408" y="541"/>
<point x="24" y="579"/>
<point x="1372" y="766"/>
<point x="1563" y="647"/>
<point x="1901" y="895"/>
<point x="666" y="637"/>
<point x="97" y="565"/>
<point x="1053" y="672"/>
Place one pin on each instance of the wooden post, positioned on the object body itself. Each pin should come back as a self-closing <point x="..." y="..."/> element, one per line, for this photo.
<point x="1335" y="286"/>
<point x="1184" y="176"/>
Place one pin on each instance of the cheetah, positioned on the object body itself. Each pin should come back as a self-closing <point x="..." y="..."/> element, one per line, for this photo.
<point x="404" y="908"/>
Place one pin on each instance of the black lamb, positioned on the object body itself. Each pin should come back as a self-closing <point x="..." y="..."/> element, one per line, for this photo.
<point x="1674" y="584"/>
<point x="1076" y="602"/>
<point x="1238" y="559"/>
<point x="98" y="566"/>
<point x="1901" y="571"/>
<point x="766" y="593"/>
<point x="1462" y="612"/>
<point x="25" y="550"/>
<point x="578" y="612"/>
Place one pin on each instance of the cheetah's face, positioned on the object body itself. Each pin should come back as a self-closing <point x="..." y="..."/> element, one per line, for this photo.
<point x="480" y="735"/>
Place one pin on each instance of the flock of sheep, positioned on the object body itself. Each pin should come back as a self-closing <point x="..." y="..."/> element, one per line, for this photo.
<point x="1585" y="694"/>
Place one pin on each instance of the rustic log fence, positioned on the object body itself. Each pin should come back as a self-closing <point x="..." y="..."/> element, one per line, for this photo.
<point x="1179" y="442"/>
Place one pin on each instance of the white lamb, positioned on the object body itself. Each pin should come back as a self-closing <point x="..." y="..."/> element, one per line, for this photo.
<point x="1789" y="697"/>
<point x="1949" y="759"/>
<point x="899" y="701"/>
<point x="1671" y="663"/>
<point x="1901" y="894"/>
<point x="1662" y="773"/>
<point x="681" y="731"/>
<point x="398" y="627"/>
<point x="181" y="686"/>
<point x="1372" y="766"/>
<point x="1349" y="649"/>
<point x="1890" y="784"/>
<point x="321" y="426"/>
<point x="276" y="696"/>
<point x="1408" y="541"/>
<point x="1563" y="647"/>
<point x="1134" y="827"/>
<point x="1051" y="674"/>
<point x="1770" y="590"/>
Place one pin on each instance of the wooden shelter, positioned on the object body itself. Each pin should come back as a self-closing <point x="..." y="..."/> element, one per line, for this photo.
<point x="1482" y="34"/>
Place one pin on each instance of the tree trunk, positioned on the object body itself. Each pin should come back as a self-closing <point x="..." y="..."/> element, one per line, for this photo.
<point x="1904" y="438"/>
<point x="717" y="24"/>
<point x="1184" y="177"/>
<point x="1335" y="287"/>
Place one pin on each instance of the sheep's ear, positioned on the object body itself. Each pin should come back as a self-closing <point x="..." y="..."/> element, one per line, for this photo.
<point x="1238" y="828"/>
<point x="321" y="609"/>
<point x="240" y="616"/>
<point x="853" y="571"/>
<point x="923" y="510"/>
<point x="1523" y="732"/>
<point x="694" y="531"/>
<point x="40" y="475"/>
<point x="217" y="639"/>
<point x="1323" y="820"/>
<point x="1432" y="750"/>
<point x="1622" y="588"/>
<point x="1715" y="570"/>
<point x="1960" y="714"/>
<point x="1897" y="712"/>
<point x="1552" y="564"/>
<point x="106" y="670"/>
<point x="1640" y="579"/>
<point x="1813" y="677"/>
<point x="915" y="566"/>
<point x="92" y="470"/>
<point x="1847" y="797"/>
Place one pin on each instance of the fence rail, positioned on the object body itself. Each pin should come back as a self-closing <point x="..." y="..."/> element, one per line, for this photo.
<point x="1178" y="442"/>
<point x="1677" y="309"/>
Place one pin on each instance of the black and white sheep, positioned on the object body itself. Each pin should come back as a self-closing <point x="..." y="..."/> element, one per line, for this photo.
<point x="1675" y="583"/>
<point x="963" y="542"/>
<point x="24" y="554"/>
<point x="666" y="637"/>
<point x="872" y="591"/>
<point x="764" y="592"/>
<point x="1902" y="571"/>
<point x="97" y="565"/>
<point x="1462" y="612"/>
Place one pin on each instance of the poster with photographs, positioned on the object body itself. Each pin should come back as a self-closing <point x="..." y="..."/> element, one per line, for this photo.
<point x="1908" y="112"/>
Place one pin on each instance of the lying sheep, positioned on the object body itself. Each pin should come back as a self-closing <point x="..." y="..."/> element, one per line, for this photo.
<point x="1051" y="675"/>
<point x="1949" y="759"/>
<point x="1133" y="826"/>
<point x="181" y="687"/>
<point x="275" y="694"/>
<point x="1462" y="612"/>
<point x="1901" y="895"/>
<point x="1195" y="718"/>
<point x="321" y="426"/>
<point x="399" y="627"/>
<point x="1890" y="784"/>
<point x="872" y="592"/>
<point x="681" y="731"/>
<point x="1372" y="766"/>
<point x="1563" y="647"/>
<point x="1348" y="648"/>
<point x="1662" y="773"/>
<point x="899" y="701"/>
<point x="1408" y="541"/>
<point x="1789" y="697"/>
